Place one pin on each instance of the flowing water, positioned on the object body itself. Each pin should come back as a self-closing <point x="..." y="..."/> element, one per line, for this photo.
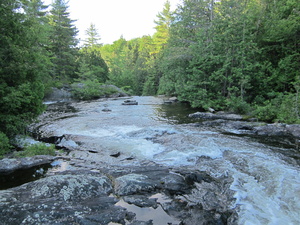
<point x="266" y="180"/>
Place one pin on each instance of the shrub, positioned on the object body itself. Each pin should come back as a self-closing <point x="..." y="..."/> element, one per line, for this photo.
<point x="283" y="108"/>
<point x="36" y="149"/>
<point x="4" y="144"/>
<point x="238" y="105"/>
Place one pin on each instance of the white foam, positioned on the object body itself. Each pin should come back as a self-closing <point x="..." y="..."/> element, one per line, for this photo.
<point x="268" y="200"/>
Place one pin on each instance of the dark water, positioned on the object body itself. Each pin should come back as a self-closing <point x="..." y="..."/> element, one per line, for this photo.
<point x="176" y="113"/>
<point x="23" y="176"/>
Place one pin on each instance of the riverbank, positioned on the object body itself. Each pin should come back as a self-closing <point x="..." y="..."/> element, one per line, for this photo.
<point x="123" y="161"/>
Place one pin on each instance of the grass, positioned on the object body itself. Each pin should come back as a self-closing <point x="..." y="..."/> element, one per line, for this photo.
<point x="36" y="149"/>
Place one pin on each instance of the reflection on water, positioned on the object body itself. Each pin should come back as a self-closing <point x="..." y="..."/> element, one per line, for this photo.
<point x="59" y="166"/>
<point x="175" y="113"/>
<point x="158" y="216"/>
<point x="22" y="176"/>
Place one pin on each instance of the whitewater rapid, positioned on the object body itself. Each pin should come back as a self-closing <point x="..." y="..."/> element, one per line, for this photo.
<point x="266" y="183"/>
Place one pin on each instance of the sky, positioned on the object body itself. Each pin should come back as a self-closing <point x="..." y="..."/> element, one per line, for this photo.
<point x="116" y="18"/>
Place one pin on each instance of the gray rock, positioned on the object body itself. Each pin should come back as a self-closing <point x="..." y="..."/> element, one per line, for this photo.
<point x="10" y="165"/>
<point x="58" y="95"/>
<point x="212" y="116"/>
<point x="173" y="99"/>
<point x="142" y="223"/>
<point x="106" y="110"/>
<point x="141" y="201"/>
<point x="77" y="197"/>
<point x="71" y="187"/>
<point x="279" y="130"/>
<point x="133" y="184"/>
<point x="130" y="102"/>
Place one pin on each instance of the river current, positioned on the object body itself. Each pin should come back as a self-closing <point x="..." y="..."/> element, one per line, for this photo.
<point x="266" y="183"/>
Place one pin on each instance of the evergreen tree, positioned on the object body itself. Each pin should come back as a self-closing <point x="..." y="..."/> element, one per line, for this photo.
<point x="63" y="42"/>
<point x="93" y="36"/>
<point x="91" y="65"/>
<point x="21" y="89"/>
<point x="159" y="42"/>
<point x="163" y="24"/>
<point x="36" y="18"/>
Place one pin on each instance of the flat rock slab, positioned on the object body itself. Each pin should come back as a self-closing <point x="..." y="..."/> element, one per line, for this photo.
<point x="212" y="116"/>
<point x="90" y="198"/>
<point x="9" y="165"/>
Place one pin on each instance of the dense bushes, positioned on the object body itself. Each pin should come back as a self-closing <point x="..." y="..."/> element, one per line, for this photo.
<point x="283" y="108"/>
<point x="4" y="144"/>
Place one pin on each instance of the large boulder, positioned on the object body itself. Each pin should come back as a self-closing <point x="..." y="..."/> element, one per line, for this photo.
<point x="58" y="95"/>
<point x="79" y="197"/>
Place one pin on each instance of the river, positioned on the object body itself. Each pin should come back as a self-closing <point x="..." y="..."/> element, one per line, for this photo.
<point x="265" y="180"/>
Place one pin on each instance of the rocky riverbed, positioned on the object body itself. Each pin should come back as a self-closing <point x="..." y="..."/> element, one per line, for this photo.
<point x="140" y="164"/>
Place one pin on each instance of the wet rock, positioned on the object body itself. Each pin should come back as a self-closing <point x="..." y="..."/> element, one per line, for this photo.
<point x="141" y="201"/>
<point x="66" y="142"/>
<point x="294" y="130"/>
<point x="106" y="110"/>
<point x="210" y="197"/>
<point x="10" y="165"/>
<point x="116" y="155"/>
<point x="174" y="184"/>
<point x="211" y="110"/>
<point x="278" y="130"/>
<point x="193" y="178"/>
<point x="130" y="102"/>
<point x="142" y="223"/>
<point x="171" y="100"/>
<point x="133" y="184"/>
<point x="212" y="116"/>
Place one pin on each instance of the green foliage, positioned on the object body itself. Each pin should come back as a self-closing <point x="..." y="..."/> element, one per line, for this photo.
<point x="93" y="36"/>
<point x="62" y="42"/>
<point x="230" y="54"/>
<point x="238" y="105"/>
<point x="4" y="144"/>
<point x="283" y="108"/>
<point x="22" y="64"/>
<point x="91" y="89"/>
<point x="134" y="63"/>
<point x="91" y="65"/>
<point x="36" y="149"/>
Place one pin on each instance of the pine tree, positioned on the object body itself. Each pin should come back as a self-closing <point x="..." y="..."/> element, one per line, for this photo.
<point x="63" y="42"/>
<point x="93" y="36"/>
<point x="92" y="66"/>
<point x="162" y="27"/>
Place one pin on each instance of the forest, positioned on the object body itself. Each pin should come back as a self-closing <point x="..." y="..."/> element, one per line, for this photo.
<point x="241" y="56"/>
